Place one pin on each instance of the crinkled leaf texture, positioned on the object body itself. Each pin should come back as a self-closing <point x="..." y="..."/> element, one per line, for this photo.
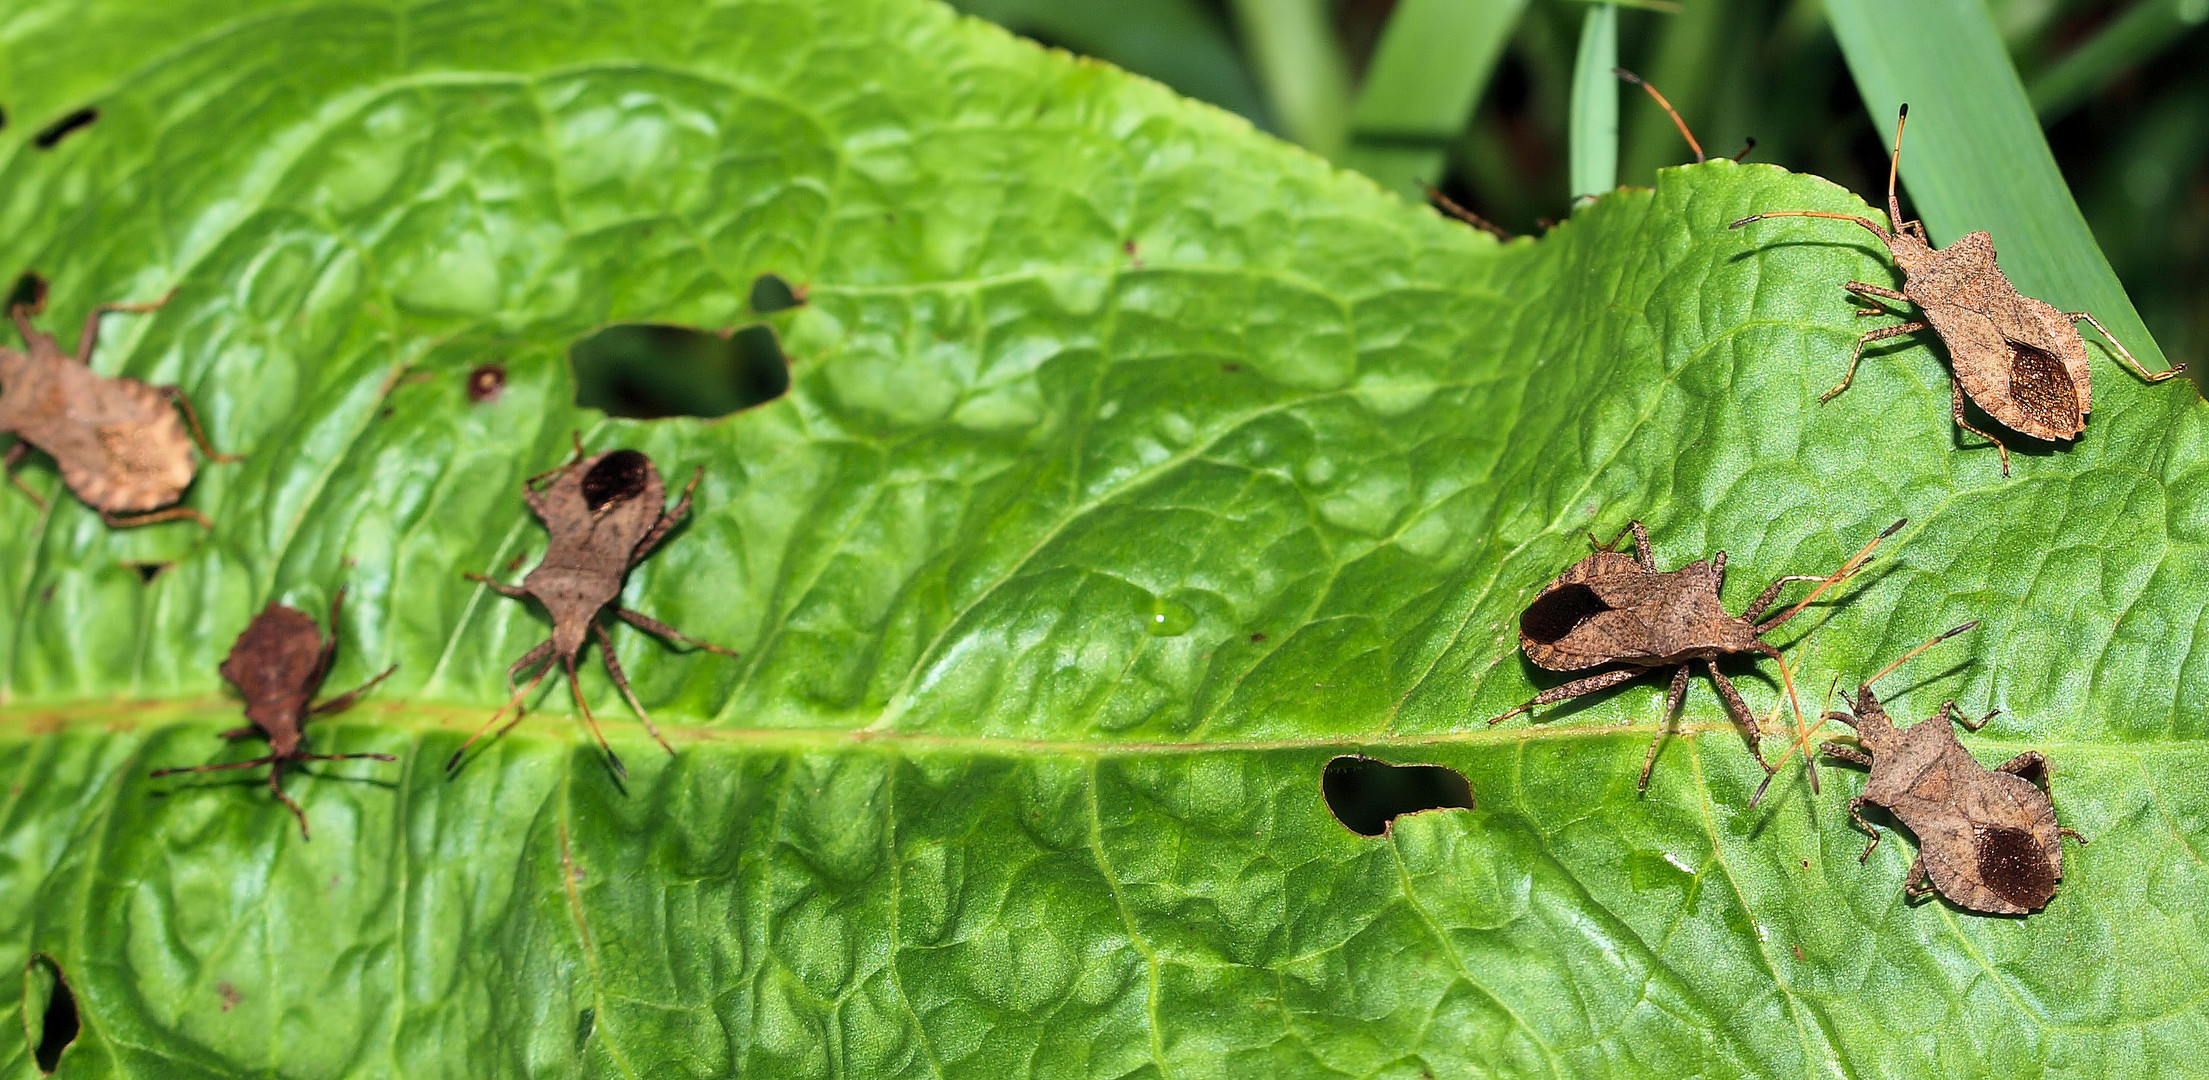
<point x="1134" y="466"/>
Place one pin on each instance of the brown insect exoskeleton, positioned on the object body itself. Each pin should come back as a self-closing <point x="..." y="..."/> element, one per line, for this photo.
<point x="117" y="440"/>
<point x="605" y="514"/>
<point x="1615" y="608"/>
<point x="1987" y="838"/>
<point x="277" y="665"/>
<point x="2018" y="358"/>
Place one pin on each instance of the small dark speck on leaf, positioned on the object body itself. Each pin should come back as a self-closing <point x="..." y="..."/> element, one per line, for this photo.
<point x="46" y="595"/>
<point x="1367" y="795"/>
<point x="486" y="382"/>
<point x="60" y="129"/>
<point x="1799" y="957"/>
<point x="1256" y="638"/>
<point x="230" y="996"/>
<point x="1231" y="368"/>
<point x="515" y="563"/>
<point x="386" y="412"/>
<point x="1806" y="864"/>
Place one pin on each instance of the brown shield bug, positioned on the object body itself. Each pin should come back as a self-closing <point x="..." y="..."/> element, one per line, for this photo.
<point x="277" y="665"/>
<point x="1987" y="838"/>
<point x="2017" y="358"/>
<point x="606" y="513"/>
<point x="1615" y="608"/>
<point x="117" y="441"/>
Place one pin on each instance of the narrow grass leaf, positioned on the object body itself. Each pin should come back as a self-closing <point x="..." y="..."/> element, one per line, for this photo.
<point x="1427" y="73"/>
<point x="1301" y="68"/>
<point x="1975" y="157"/>
<point x="1594" y="133"/>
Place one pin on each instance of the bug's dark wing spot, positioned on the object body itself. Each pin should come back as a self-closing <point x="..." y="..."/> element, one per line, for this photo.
<point x="58" y="1023"/>
<point x="2039" y="383"/>
<point x="2014" y="866"/>
<point x="619" y="475"/>
<point x="1560" y="611"/>
<point x="1366" y="795"/>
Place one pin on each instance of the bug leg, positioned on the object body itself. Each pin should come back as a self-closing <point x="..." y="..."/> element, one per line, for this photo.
<point x="2072" y="833"/>
<point x="657" y="628"/>
<point x="1641" y="546"/>
<point x="91" y="334"/>
<point x="1956" y="716"/>
<point x="237" y="732"/>
<point x="577" y="689"/>
<point x="199" y="435"/>
<point x="14" y="458"/>
<point x="1915" y="885"/>
<point x="613" y="668"/>
<point x="1771" y="592"/>
<point x="1672" y="701"/>
<point x="1846" y="753"/>
<point x="509" y="591"/>
<point x="125" y="521"/>
<point x="1574" y="689"/>
<point x="454" y="761"/>
<point x="1741" y="713"/>
<point x="1874" y="290"/>
<point x="529" y="484"/>
<point x="1856" y="814"/>
<point x="667" y="521"/>
<point x="1446" y="205"/>
<point x="529" y="659"/>
<point x="2124" y="353"/>
<point x="1870" y="336"/>
<point x="269" y="760"/>
<point x="276" y="785"/>
<point x="1956" y="409"/>
<point x="347" y="698"/>
<point x="2030" y="766"/>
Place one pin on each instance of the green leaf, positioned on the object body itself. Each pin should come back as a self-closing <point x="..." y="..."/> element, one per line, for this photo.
<point x="1134" y="466"/>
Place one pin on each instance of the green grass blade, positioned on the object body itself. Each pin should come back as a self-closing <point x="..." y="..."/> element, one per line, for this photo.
<point x="1975" y="157"/>
<point x="2146" y="29"/>
<point x="1594" y="133"/>
<point x="1426" y="76"/>
<point x="1301" y="68"/>
<point x="1182" y="43"/>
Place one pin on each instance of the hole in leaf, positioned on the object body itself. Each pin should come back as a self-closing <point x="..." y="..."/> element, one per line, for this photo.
<point x="486" y="383"/>
<point x="60" y="129"/>
<point x="585" y="1023"/>
<point x="3" y="119"/>
<point x="649" y="371"/>
<point x="147" y="571"/>
<point x="47" y="995"/>
<point x="770" y="294"/>
<point x="1366" y="795"/>
<point x="29" y="291"/>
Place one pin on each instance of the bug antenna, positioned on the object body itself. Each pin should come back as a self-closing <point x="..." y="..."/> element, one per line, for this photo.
<point x="453" y="762"/>
<point x="1745" y="148"/>
<point x="1856" y="562"/>
<point x="1894" y="165"/>
<point x="1668" y="111"/>
<point x="1936" y="639"/>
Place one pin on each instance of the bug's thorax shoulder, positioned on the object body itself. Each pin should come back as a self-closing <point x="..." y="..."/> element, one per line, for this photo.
<point x="1962" y="272"/>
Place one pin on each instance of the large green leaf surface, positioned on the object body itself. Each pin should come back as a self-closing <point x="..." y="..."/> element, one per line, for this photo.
<point x="1134" y="466"/>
